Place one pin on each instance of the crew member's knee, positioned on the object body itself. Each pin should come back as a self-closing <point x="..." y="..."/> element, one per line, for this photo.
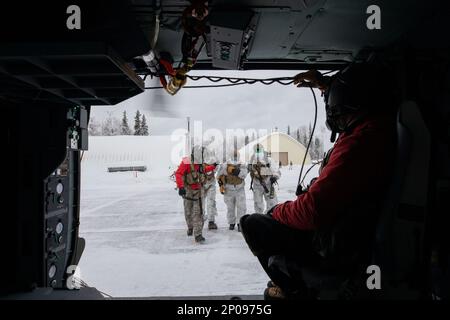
<point x="251" y="222"/>
<point x="243" y="222"/>
<point x="254" y="228"/>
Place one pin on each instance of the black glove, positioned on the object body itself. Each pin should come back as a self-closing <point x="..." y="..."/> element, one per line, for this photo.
<point x="182" y="192"/>
<point x="273" y="180"/>
<point x="235" y="171"/>
<point x="299" y="190"/>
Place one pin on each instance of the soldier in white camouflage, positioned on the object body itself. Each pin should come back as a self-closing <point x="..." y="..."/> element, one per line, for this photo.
<point x="210" y="190"/>
<point x="231" y="178"/>
<point x="265" y="174"/>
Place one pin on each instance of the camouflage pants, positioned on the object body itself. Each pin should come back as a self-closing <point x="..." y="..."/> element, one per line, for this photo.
<point x="258" y="198"/>
<point x="193" y="210"/>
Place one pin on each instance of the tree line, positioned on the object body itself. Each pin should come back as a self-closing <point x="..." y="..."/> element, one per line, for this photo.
<point x="112" y="126"/>
<point x="302" y="134"/>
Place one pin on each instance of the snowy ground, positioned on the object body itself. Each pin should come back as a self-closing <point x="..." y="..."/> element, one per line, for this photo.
<point x="137" y="245"/>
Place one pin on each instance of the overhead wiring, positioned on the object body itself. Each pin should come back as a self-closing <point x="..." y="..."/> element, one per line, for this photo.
<point x="232" y="81"/>
<point x="285" y="81"/>
<point x="201" y="87"/>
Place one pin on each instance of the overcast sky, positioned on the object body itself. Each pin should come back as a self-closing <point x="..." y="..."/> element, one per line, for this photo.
<point x="245" y="107"/>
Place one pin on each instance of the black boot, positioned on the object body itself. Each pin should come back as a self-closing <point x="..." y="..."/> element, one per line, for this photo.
<point x="190" y="232"/>
<point x="199" y="239"/>
<point x="212" y="225"/>
<point x="274" y="293"/>
<point x="231" y="226"/>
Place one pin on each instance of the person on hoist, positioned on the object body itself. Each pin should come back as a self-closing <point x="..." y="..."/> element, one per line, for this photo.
<point x="330" y="222"/>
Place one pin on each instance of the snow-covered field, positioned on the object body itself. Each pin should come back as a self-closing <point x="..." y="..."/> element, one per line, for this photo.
<point x="136" y="237"/>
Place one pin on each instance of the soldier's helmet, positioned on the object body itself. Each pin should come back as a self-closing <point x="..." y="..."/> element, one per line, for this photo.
<point x="197" y="155"/>
<point x="259" y="148"/>
<point x="209" y="156"/>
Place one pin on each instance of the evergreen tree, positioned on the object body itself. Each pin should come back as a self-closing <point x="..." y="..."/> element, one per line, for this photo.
<point x="313" y="150"/>
<point x="144" y="126"/>
<point x="298" y="135"/>
<point x="125" y="129"/>
<point x="94" y="128"/>
<point x="318" y="148"/>
<point x="247" y="140"/>
<point x="111" y="126"/>
<point x="289" y="130"/>
<point x="303" y="136"/>
<point x="137" y="124"/>
<point x="253" y="136"/>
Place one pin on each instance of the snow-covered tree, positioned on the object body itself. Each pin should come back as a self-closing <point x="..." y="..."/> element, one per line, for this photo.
<point x="309" y="131"/>
<point x="318" y="148"/>
<point x="111" y="126"/>
<point x="137" y="124"/>
<point x="303" y="136"/>
<point x="125" y="128"/>
<point x="106" y="127"/>
<point x="144" y="126"/>
<point x="94" y="127"/>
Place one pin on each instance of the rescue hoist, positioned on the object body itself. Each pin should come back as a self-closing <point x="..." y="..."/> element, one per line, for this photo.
<point x="228" y="43"/>
<point x="194" y="21"/>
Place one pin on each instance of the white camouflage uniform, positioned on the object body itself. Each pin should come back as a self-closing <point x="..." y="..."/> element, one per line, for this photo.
<point x="234" y="196"/>
<point x="259" y="195"/>
<point x="210" y="191"/>
<point x="210" y="188"/>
